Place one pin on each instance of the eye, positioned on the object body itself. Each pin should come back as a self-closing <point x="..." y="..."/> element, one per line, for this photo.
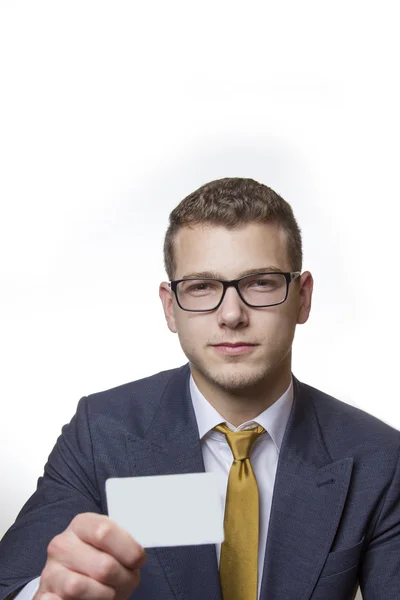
<point x="198" y="287"/>
<point x="262" y="282"/>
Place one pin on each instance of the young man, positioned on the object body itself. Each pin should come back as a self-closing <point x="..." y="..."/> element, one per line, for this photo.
<point x="311" y="485"/>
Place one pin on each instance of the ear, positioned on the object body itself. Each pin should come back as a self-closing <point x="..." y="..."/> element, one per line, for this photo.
<point x="305" y="292"/>
<point x="166" y="296"/>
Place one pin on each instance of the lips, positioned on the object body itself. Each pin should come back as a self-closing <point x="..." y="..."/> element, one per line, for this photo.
<point x="237" y="349"/>
<point x="234" y="345"/>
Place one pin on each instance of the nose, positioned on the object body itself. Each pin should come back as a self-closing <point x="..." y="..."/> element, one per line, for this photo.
<point x="232" y="311"/>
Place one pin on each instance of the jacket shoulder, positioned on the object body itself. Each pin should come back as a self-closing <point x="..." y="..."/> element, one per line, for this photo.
<point x="130" y="403"/>
<point x="126" y="390"/>
<point x="341" y="420"/>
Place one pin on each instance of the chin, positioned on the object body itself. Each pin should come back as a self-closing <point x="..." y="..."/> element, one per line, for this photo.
<point x="235" y="376"/>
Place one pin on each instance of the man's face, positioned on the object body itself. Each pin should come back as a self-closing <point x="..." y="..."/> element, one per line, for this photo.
<point x="228" y="254"/>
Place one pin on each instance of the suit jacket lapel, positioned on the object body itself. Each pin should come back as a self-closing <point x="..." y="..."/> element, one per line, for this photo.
<point x="309" y="496"/>
<point x="172" y="445"/>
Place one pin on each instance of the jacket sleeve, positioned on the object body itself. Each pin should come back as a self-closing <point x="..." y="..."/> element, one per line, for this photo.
<point x="68" y="487"/>
<point x="379" y="574"/>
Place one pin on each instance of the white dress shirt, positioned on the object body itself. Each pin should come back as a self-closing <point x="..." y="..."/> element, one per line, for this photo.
<point x="218" y="458"/>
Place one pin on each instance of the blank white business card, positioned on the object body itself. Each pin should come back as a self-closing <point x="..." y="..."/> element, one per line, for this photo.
<point x="168" y="510"/>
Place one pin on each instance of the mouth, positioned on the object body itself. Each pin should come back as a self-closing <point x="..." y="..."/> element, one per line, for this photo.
<point x="234" y="349"/>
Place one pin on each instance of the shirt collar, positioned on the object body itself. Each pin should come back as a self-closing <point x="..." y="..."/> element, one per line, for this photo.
<point x="274" y="419"/>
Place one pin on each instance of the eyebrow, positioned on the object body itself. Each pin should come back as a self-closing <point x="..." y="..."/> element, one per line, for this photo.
<point x="215" y="275"/>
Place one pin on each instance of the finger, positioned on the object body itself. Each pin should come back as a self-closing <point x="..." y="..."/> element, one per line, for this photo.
<point x="47" y="596"/>
<point x="103" y="533"/>
<point x="78" y="556"/>
<point x="69" y="585"/>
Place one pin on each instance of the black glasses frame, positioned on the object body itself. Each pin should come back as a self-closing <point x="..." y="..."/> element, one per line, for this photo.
<point x="290" y="276"/>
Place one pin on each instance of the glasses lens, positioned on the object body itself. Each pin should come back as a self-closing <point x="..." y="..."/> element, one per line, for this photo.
<point x="199" y="294"/>
<point x="264" y="289"/>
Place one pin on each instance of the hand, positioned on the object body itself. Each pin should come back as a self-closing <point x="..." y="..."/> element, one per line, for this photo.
<point x="93" y="559"/>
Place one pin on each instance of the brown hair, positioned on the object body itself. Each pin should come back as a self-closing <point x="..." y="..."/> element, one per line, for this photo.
<point x="232" y="202"/>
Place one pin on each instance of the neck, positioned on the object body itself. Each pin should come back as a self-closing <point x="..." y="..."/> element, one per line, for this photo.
<point x="244" y="404"/>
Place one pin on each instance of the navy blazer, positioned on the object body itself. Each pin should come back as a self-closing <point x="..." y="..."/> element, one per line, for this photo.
<point x="335" y="517"/>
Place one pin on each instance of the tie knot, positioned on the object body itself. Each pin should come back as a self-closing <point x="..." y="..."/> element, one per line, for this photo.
<point x="240" y="442"/>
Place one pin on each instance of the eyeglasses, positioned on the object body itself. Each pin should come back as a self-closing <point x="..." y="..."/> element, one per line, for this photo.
<point x="258" y="290"/>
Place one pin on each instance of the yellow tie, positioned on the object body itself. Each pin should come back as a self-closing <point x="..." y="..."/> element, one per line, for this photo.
<point x="238" y="567"/>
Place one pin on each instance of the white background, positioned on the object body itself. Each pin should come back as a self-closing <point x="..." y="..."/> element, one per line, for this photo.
<point x="112" y="112"/>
